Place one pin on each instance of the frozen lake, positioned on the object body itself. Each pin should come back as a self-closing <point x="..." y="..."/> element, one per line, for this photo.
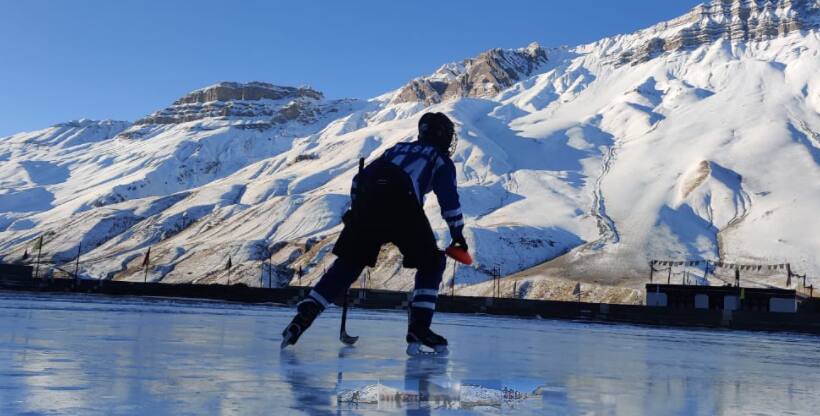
<point x="80" y="355"/>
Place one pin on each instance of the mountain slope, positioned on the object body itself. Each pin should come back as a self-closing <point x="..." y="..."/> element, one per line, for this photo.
<point x="694" y="139"/>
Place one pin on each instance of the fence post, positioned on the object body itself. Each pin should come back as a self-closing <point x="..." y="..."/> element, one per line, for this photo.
<point x="669" y="276"/>
<point x="737" y="276"/>
<point x="651" y="270"/>
<point x="270" y="270"/>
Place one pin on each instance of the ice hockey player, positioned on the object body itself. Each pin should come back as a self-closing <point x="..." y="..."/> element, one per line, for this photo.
<point x="387" y="199"/>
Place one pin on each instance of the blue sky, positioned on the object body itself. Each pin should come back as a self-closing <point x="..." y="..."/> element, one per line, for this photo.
<point x="63" y="60"/>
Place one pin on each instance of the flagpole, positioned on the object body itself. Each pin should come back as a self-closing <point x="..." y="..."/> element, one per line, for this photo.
<point x="145" y="261"/>
<point x="39" y="252"/>
<point x="706" y="271"/>
<point x="453" y="280"/>
<point x="788" y="275"/>
<point x="228" y="266"/>
<point x="77" y="263"/>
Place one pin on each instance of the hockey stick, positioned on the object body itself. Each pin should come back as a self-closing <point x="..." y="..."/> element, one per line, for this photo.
<point x="346" y="338"/>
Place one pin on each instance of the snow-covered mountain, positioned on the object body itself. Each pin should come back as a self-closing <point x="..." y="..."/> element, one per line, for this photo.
<point x="696" y="138"/>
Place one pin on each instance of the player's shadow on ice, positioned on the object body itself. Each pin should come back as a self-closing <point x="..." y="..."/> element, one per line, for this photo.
<point x="427" y="376"/>
<point x="307" y="391"/>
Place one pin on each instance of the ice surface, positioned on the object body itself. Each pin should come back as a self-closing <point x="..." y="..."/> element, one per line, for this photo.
<point x="102" y="355"/>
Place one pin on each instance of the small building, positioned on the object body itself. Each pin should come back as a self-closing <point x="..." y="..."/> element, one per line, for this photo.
<point x="12" y="272"/>
<point x="729" y="298"/>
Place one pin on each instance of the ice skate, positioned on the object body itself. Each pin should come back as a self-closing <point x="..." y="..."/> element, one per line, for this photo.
<point x="424" y="342"/>
<point x="307" y="310"/>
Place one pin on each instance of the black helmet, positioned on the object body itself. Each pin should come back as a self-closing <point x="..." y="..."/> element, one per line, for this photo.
<point x="438" y="130"/>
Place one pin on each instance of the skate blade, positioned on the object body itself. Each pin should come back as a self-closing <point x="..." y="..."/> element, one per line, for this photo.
<point x="416" y="349"/>
<point x="285" y="341"/>
<point x="288" y="336"/>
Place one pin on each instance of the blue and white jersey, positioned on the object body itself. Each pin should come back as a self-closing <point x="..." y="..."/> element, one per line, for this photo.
<point x="429" y="171"/>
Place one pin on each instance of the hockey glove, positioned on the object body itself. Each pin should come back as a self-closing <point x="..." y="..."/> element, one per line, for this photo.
<point x="460" y="242"/>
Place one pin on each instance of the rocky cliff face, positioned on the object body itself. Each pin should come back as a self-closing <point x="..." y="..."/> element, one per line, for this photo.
<point x="733" y="20"/>
<point x="483" y="76"/>
<point x="252" y="91"/>
<point x="272" y="103"/>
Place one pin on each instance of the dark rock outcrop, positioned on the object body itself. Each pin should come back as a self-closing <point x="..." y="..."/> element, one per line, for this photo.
<point x="252" y="91"/>
<point x="485" y="75"/>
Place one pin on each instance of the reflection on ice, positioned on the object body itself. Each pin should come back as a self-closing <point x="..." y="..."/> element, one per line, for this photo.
<point x="99" y="355"/>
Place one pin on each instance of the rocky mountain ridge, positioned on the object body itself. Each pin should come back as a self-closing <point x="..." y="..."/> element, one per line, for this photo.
<point x="251" y="91"/>
<point x="483" y="76"/>
<point x="731" y="20"/>
<point x="270" y="104"/>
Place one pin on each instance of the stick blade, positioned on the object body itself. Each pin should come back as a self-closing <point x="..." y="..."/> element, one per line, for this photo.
<point x="347" y="339"/>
